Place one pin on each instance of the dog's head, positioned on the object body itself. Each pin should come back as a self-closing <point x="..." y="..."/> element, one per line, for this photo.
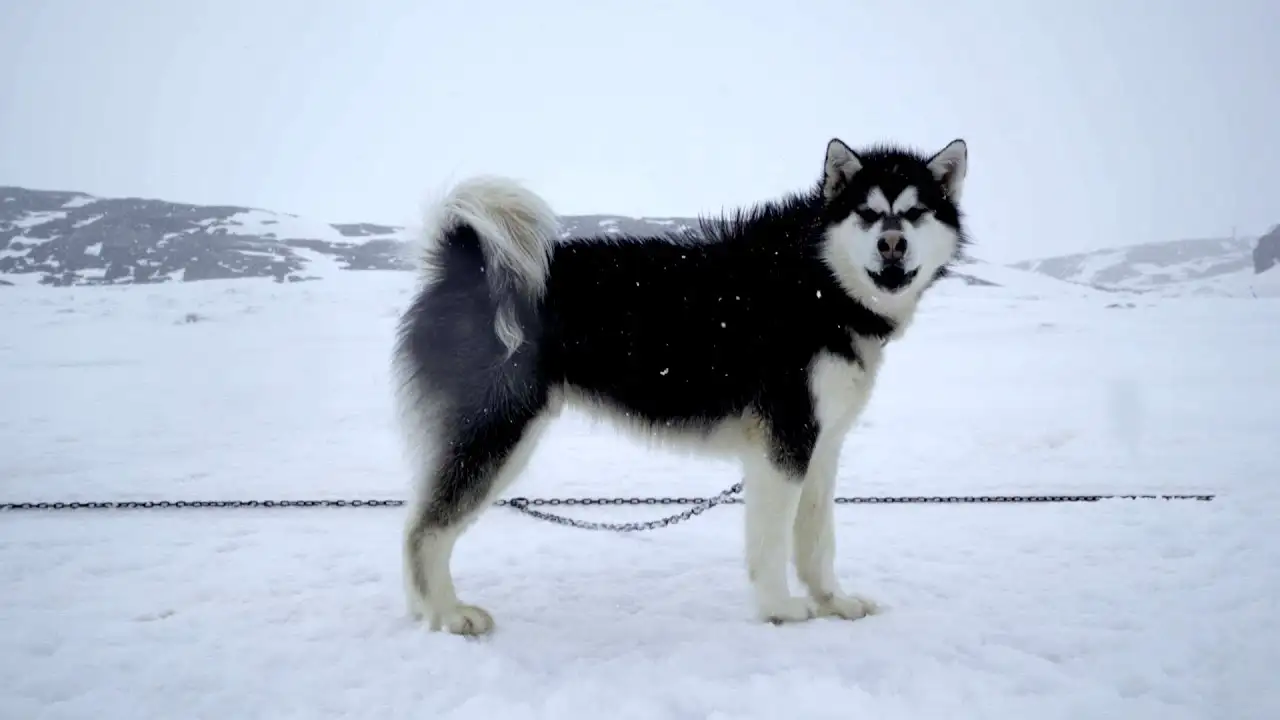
<point x="892" y="216"/>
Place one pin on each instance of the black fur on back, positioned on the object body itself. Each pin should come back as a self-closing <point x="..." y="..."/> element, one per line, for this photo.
<point x="691" y="328"/>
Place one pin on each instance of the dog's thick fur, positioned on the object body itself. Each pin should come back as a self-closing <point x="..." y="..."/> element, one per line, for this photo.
<point x="757" y="337"/>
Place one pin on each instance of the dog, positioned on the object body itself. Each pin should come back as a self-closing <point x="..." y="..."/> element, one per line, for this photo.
<point x="756" y="336"/>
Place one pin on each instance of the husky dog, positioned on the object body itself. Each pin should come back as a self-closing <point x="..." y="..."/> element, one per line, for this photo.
<point x="757" y="337"/>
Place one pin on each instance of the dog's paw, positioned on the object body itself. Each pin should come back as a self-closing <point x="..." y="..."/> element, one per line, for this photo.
<point x="463" y="620"/>
<point x="788" y="610"/>
<point x="849" y="607"/>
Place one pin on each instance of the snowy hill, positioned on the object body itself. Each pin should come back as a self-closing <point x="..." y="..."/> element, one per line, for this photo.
<point x="1240" y="284"/>
<point x="1165" y="266"/>
<point x="977" y="278"/>
<point x="69" y="238"/>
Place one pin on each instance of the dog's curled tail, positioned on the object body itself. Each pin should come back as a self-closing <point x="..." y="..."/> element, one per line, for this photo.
<point x="515" y="229"/>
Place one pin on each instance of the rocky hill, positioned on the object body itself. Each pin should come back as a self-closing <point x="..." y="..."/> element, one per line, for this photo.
<point x="57" y="238"/>
<point x="69" y="238"/>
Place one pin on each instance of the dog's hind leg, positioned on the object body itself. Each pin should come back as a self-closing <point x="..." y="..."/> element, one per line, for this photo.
<point x="479" y="458"/>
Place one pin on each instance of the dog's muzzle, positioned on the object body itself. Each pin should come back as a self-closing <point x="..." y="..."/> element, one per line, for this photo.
<point x="893" y="275"/>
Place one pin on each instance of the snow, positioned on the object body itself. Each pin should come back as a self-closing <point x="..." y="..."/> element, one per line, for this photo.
<point x="34" y="219"/>
<point x="283" y="226"/>
<point x="1099" y="262"/>
<point x="87" y="221"/>
<point x="251" y="389"/>
<point x="1013" y="283"/>
<point x="1240" y="284"/>
<point x="18" y="279"/>
<point x="319" y="265"/>
<point x="79" y="201"/>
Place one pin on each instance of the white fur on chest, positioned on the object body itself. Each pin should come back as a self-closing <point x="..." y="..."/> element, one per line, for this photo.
<point x="841" y="388"/>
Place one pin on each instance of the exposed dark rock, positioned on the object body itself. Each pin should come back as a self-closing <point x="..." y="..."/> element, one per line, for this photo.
<point x="1266" y="253"/>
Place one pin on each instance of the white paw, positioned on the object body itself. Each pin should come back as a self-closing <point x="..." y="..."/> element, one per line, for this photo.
<point x="788" y="610"/>
<point x="463" y="620"/>
<point x="849" y="607"/>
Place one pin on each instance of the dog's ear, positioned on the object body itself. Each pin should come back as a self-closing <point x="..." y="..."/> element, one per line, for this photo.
<point x="841" y="165"/>
<point x="949" y="167"/>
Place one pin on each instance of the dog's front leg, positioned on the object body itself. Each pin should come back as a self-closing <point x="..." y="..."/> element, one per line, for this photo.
<point x="815" y="541"/>
<point x="772" y="483"/>
<point x="771" y="498"/>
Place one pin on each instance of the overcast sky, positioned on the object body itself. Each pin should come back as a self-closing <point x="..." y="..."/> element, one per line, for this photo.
<point x="1090" y="123"/>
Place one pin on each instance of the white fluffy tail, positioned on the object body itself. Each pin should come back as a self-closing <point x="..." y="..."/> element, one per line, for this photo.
<point x="517" y="230"/>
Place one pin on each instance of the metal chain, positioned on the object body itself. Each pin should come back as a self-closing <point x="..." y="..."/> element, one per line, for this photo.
<point x="187" y="504"/>
<point x="700" y="506"/>
<point x="527" y="505"/>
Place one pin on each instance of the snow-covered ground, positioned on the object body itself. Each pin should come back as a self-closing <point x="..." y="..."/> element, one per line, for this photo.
<point x="1240" y="284"/>
<point x="253" y="390"/>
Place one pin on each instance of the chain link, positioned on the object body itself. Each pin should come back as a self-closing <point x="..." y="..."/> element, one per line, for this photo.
<point x="184" y="504"/>
<point x="700" y="505"/>
<point x="528" y="505"/>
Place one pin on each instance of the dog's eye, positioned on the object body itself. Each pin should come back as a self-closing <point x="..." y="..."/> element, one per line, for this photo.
<point x="914" y="214"/>
<point x="868" y="215"/>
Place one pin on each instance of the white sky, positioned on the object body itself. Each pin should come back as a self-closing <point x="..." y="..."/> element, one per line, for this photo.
<point x="1091" y="123"/>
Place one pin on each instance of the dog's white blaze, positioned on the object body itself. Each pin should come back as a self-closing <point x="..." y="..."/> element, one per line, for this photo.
<point x="877" y="201"/>
<point x="906" y="200"/>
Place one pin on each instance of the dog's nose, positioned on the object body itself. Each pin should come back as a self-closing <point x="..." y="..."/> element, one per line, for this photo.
<point x="892" y="245"/>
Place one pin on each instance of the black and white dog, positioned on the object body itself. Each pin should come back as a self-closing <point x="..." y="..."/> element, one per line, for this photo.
<point x="757" y="337"/>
